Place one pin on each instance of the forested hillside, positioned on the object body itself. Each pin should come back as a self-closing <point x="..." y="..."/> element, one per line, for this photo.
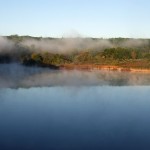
<point x="55" y="52"/>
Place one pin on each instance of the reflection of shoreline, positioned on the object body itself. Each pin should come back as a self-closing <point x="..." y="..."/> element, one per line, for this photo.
<point x="102" y="67"/>
<point x="17" y="76"/>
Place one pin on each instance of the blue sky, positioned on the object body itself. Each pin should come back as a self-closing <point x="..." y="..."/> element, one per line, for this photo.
<point x="92" y="18"/>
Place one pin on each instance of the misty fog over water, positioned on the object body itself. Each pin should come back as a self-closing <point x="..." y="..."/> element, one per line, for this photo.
<point x="18" y="76"/>
<point x="75" y="75"/>
<point x="58" y="109"/>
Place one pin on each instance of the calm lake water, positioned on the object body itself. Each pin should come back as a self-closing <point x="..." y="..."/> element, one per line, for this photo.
<point x="73" y="110"/>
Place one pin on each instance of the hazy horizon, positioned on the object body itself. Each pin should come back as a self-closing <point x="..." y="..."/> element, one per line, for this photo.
<point x="72" y="37"/>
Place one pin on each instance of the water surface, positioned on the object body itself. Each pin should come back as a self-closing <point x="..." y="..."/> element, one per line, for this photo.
<point x="53" y="110"/>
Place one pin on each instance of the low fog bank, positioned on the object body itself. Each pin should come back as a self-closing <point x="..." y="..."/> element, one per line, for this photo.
<point x="6" y="45"/>
<point x="17" y="76"/>
<point x="65" y="45"/>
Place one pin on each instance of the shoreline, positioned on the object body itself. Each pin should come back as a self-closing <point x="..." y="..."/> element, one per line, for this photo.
<point x="102" y="67"/>
<point x="90" y="67"/>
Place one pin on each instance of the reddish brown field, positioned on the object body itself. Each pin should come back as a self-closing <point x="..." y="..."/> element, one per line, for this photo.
<point x="134" y="66"/>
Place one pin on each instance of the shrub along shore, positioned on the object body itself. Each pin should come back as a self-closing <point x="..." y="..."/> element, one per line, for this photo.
<point x="120" y="56"/>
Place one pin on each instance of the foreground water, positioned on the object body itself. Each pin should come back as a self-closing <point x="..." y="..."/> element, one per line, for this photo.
<point x="55" y="110"/>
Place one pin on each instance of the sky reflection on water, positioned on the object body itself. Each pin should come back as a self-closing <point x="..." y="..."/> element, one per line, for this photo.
<point x="45" y="109"/>
<point x="95" y="117"/>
